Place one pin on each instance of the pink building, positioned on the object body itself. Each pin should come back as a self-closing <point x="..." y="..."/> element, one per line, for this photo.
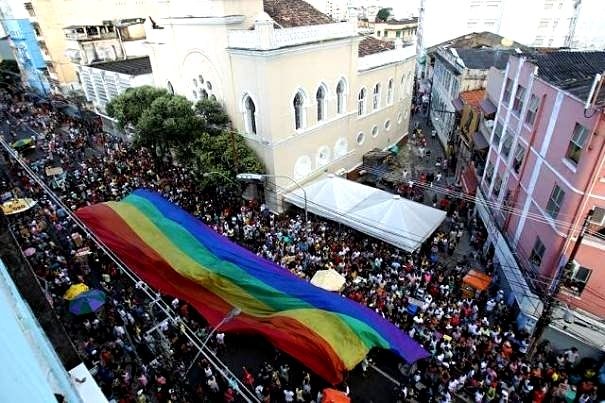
<point x="544" y="170"/>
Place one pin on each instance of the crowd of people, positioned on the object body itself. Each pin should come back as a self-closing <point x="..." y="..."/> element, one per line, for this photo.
<point x="477" y="352"/>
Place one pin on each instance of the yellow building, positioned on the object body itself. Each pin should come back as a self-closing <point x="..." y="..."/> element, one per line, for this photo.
<point x="85" y="31"/>
<point x="391" y="30"/>
<point x="311" y="96"/>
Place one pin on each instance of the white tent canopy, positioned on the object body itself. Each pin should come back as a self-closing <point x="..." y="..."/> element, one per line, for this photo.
<point x="398" y="221"/>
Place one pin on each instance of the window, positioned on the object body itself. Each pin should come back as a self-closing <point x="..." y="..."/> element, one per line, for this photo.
<point x="200" y="79"/>
<point x="489" y="172"/>
<point x="507" y="145"/>
<point x="323" y="156"/>
<point x="519" y="154"/>
<point x="340" y="147"/>
<point x="497" y="134"/>
<point x="299" y="110"/>
<point x="399" y="117"/>
<point x="390" y="92"/>
<point x="577" y="143"/>
<point x="497" y="185"/>
<point x="577" y="279"/>
<point x="250" y="115"/>
<point x="518" y="103"/>
<point x="168" y="85"/>
<point x="507" y="90"/>
<point x="398" y="34"/>
<point x="194" y="94"/>
<point x="361" y="102"/>
<point x="543" y="23"/>
<point x="320" y="98"/>
<point x="203" y="94"/>
<point x="376" y="97"/>
<point x="532" y="110"/>
<point x="387" y="124"/>
<point x="374" y="131"/>
<point x="340" y="97"/>
<point x="378" y="33"/>
<point x="195" y="82"/>
<point x="209" y="85"/>
<point x="539" y="41"/>
<point x="361" y="138"/>
<point x="555" y="201"/>
<point x="537" y="253"/>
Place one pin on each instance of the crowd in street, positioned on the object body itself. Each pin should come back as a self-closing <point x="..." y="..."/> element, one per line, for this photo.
<point x="477" y="352"/>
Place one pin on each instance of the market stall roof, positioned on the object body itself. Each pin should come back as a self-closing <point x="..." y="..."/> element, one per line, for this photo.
<point x="382" y="215"/>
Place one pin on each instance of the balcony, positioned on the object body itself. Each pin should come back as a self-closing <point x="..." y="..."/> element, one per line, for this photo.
<point x="486" y="126"/>
<point x="88" y="33"/>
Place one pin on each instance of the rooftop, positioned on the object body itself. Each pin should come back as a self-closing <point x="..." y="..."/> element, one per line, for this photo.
<point x="134" y="66"/>
<point x="472" y="98"/>
<point x="369" y="46"/>
<point x="294" y="13"/>
<point x="571" y="71"/>
<point x="479" y="40"/>
<point x="403" y="21"/>
<point x="483" y="59"/>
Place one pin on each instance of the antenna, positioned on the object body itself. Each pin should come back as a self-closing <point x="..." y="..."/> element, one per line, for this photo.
<point x="594" y="92"/>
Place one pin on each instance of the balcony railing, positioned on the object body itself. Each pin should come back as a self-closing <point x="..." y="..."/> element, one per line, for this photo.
<point x="83" y="36"/>
<point x="266" y="39"/>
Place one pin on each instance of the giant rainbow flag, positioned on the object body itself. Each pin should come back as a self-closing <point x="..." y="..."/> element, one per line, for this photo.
<point x="178" y="255"/>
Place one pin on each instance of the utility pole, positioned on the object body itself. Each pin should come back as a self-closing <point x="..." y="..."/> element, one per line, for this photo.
<point x="555" y="288"/>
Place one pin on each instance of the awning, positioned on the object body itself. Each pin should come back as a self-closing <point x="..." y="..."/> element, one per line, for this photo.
<point x="382" y="215"/>
<point x="487" y="106"/>
<point x="469" y="181"/>
<point x="458" y="105"/>
<point x="479" y="141"/>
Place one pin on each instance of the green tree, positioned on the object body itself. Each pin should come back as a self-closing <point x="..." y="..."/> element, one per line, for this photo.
<point x="128" y="107"/>
<point x="214" y="118"/>
<point x="383" y="14"/>
<point x="169" y="121"/>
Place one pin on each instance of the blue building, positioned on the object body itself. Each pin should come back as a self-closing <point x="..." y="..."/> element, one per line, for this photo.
<point x="16" y="24"/>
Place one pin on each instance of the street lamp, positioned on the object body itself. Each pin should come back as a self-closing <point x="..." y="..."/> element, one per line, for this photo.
<point x="261" y="177"/>
<point x="229" y="317"/>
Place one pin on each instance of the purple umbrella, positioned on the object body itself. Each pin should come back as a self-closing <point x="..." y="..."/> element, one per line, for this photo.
<point x="87" y="302"/>
<point x="29" y="251"/>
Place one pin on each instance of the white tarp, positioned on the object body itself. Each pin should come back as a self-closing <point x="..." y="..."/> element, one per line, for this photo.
<point x="398" y="221"/>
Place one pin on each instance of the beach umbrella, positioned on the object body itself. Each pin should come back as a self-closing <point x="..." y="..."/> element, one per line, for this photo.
<point x="29" y="251"/>
<point x="329" y="280"/>
<point x="75" y="290"/>
<point x="87" y="302"/>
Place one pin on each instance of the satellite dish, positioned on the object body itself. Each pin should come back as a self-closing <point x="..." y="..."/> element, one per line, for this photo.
<point x="506" y="42"/>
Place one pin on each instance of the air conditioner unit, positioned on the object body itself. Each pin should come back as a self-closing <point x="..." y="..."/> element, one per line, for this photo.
<point x="598" y="216"/>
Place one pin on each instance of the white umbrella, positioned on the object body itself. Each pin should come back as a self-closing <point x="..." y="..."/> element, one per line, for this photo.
<point x="329" y="280"/>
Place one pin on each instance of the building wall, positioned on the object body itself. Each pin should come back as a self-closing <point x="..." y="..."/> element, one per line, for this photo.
<point x="588" y="32"/>
<point x="445" y="88"/>
<point x="545" y="165"/>
<point x="101" y="86"/>
<point x="54" y="15"/>
<point x="391" y="32"/>
<point x="542" y="23"/>
<point x="25" y="48"/>
<point x="271" y="78"/>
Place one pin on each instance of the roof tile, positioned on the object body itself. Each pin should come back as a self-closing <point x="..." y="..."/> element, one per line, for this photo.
<point x="294" y="13"/>
<point x="370" y="45"/>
